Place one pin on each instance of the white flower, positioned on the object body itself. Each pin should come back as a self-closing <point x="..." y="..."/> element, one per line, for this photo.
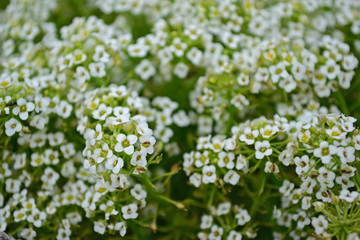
<point x="226" y="160"/>
<point x="194" y="55"/>
<point x="138" y="192"/>
<point x="278" y="71"/>
<point x="121" y="227"/>
<point x="239" y="101"/>
<point x="50" y="176"/>
<point x="82" y="74"/>
<point x="233" y="235"/>
<point x="119" y="180"/>
<point x="262" y="149"/>
<point x="178" y="47"/>
<point x="223" y="208"/>
<point x="19" y="215"/>
<point x="101" y="112"/>
<point x="308" y="185"/>
<point x="346" y="154"/>
<point x="138" y="159"/>
<point x="288" y="84"/>
<point x="137" y="50"/>
<point x="302" y="164"/>
<point x="206" y="221"/>
<point x="304" y="137"/>
<point x="241" y="163"/>
<point x="348" y="196"/>
<point x="286" y="188"/>
<point x="344" y="181"/>
<point x="216" y="233"/>
<point x="125" y="143"/>
<point x="209" y="174"/>
<point x="103" y="153"/>
<point x="320" y="224"/>
<point x="145" y="69"/>
<point x="324" y="151"/>
<point x="271" y="167"/>
<point x="249" y="135"/>
<point x="79" y="56"/>
<point x="331" y="70"/>
<point x="242" y="217"/>
<point x="195" y="179"/>
<point x="326" y="177"/>
<point x="231" y="177"/>
<point x="12" y="126"/>
<point x="63" y="234"/>
<point x="36" y="217"/>
<point x="99" y="227"/>
<point x="129" y="211"/>
<point x="336" y="133"/>
<point x="268" y="131"/>
<point x="23" y="108"/>
<point x="114" y="164"/>
<point x="97" y="69"/>
<point x="181" y="70"/>
<point x="100" y="54"/>
<point x="306" y="203"/>
<point x="350" y="62"/>
<point x="27" y="233"/>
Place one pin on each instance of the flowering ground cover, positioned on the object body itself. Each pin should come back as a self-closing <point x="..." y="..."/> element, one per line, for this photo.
<point x="174" y="119"/>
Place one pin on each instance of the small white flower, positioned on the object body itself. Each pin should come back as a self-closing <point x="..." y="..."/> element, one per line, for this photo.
<point x="271" y="167"/>
<point x="226" y="160"/>
<point x="129" y="211"/>
<point x="114" y="164"/>
<point x="138" y="159"/>
<point x="302" y="164"/>
<point x="194" y="55"/>
<point x="209" y="174"/>
<point x="12" y="126"/>
<point x="99" y="227"/>
<point x="100" y="54"/>
<point x="336" y="133"/>
<point x="216" y="233"/>
<point x="181" y="70"/>
<point x="138" y="192"/>
<point x="320" y="224"/>
<point x="324" y="151"/>
<point x="145" y="69"/>
<point x="262" y="149"/>
<point x="19" y="215"/>
<point x="97" y="69"/>
<point x="102" y="112"/>
<point x="346" y="154"/>
<point x="23" y="108"/>
<point x="268" y="131"/>
<point x="195" y="179"/>
<point x="223" y="208"/>
<point x="233" y="235"/>
<point x="231" y="177"/>
<point x="121" y="227"/>
<point x="125" y="143"/>
<point x="286" y="188"/>
<point x="206" y="221"/>
<point x="348" y="196"/>
<point x="249" y="135"/>
<point x="36" y="217"/>
<point x="242" y="217"/>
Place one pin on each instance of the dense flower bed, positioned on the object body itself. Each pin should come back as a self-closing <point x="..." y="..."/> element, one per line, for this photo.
<point x="172" y="119"/>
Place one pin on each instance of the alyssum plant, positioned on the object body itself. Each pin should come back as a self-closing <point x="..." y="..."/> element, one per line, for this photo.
<point x="162" y="119"/>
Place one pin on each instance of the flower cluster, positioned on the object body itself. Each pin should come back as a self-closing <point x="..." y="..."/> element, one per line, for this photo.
<point x="214" y="228"/>
<point x="317" y="159"/>
<point x="102" y="101"/>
